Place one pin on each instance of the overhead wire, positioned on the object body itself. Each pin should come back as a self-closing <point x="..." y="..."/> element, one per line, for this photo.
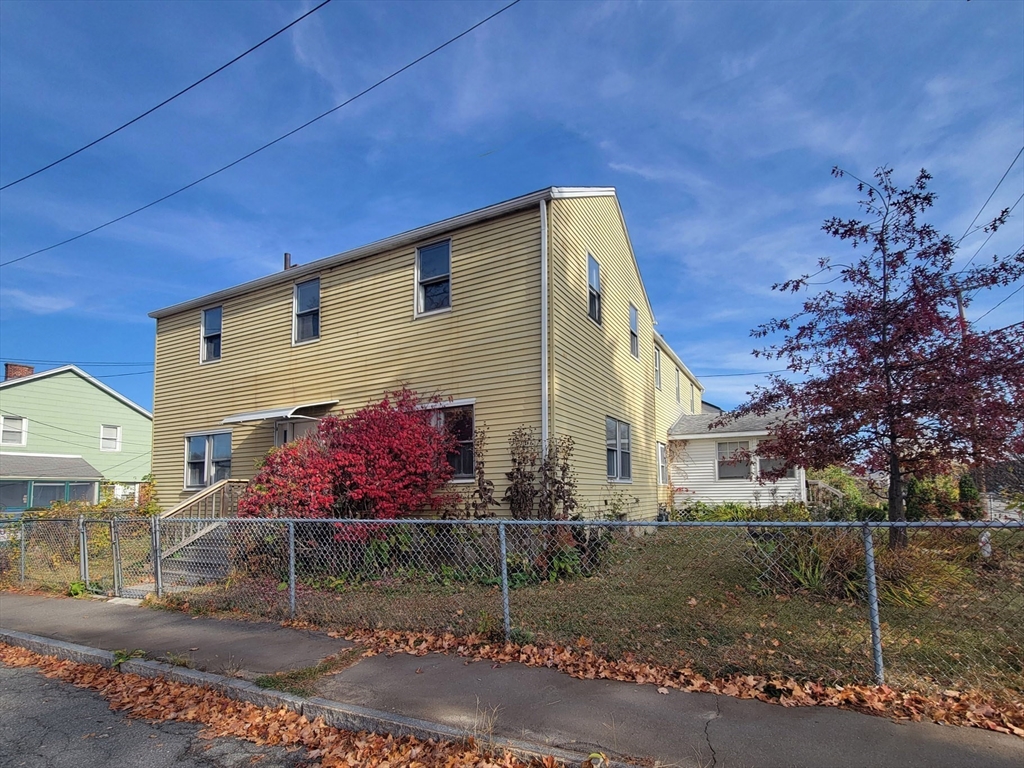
<point x="166" y="101"/>
<point x="269" y="144"/>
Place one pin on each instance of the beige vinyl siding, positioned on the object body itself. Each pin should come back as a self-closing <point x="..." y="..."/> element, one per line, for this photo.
<point x="667" y="411"/>
<point x="693" y="470"/>
<point x="593" y="373"/>
<point x="487" y="347"/>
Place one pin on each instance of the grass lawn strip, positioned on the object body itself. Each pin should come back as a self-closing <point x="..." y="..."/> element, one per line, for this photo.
<point x="159" y="699"/>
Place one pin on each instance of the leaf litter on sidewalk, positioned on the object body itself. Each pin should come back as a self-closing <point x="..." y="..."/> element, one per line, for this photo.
<point x="161" y="699"/>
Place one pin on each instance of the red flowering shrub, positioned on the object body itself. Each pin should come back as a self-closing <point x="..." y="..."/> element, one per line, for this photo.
<point x="384" y="461"/>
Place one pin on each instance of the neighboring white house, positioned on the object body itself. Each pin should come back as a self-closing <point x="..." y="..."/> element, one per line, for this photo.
<point x="703" y="466"/>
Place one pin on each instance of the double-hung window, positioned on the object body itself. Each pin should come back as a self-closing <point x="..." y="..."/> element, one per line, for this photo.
<point x="657" y="368"/>
<point x="110" y="437"/>
<point x="678" y="392"/>
<point x="764" y="466"/>
<point x="732" y="465"/>
<point x="458" y="420"/>
<point x="434" y="277"/>
<point x="693" y="398"/>
<point x="662" y="464"/>
<point x="307" y="311"/>
<point x="634" y="332"/>
<point x="207" y="459"/>
<point x="211" y="334"/>
<point x="13" y="430"/>
<point x="594" y="289"/>
<point x="620" y="465"/>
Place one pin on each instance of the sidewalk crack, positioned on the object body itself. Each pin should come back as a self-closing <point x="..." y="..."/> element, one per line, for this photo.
<point x="707" y="736"/>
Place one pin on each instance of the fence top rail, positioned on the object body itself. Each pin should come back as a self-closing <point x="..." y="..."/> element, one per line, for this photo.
<point x="495" y="521"/>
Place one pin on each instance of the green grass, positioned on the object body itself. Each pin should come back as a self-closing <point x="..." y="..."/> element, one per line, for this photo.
<point x="305" y="681"/>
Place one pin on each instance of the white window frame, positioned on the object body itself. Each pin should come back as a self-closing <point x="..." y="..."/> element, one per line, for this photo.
<point x="594" y="290"/>
<point x="616" y="446"/>
<point x="740" y="445"/>
<point x="203" y="359"/>
<point x="634" y="332"/>
<point x="657" y="368"/>
<point x="468" y="402"/>
<point x="418" y="310"/>
<point x="117" y="438"/>
<point x="790" y="471"/>
<point x="662" y="464"/>
<point x="693" y="398"/>
<point x="207" y="470"/>
<point x="295" y="313"/>
<point x="24" y="429"/>
<point x="679" y="392"/>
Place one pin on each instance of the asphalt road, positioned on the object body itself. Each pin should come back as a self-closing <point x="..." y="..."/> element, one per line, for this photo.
<point x="48" y="723"/>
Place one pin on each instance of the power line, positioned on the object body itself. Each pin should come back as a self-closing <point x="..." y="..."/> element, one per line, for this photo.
<point x="268" y="144"/>
<point x="75" y="362"/>
<point x="752" y="373"/>
<point x="151" y="110"/>
<point x="981" y="210"/>
<point x="971" y="260"/>
<point x="1005" y="299"/>
<point x="5" y="412"/>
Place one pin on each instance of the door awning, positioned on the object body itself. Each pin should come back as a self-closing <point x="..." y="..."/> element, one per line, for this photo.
<point x="275" y="413"/>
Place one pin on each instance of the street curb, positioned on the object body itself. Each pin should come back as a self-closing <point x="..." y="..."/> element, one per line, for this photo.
<point x="343" y="716"/>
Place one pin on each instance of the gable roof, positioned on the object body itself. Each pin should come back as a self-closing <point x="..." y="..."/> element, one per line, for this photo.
<point x="694" y="426"/>
<point x="81" y="374"/>
<point x="395" y="241"/>
<point x="27" y="466"/>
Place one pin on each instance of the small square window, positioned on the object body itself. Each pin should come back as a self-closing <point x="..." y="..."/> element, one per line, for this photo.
<point x="594" y="289"/>
<point x="13" y="430"/>
<point x="307" y="310"/>
<point x="433" y="277"/>
<point x="731" y="464"/>
<point x="110" y="438"/>
<point x="211" y="334"/>
<point x="634" y="335"/>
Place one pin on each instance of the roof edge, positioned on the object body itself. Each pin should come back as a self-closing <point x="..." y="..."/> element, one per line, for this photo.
<point x="660" y="340"/>
<point x="79" y="372"/>
<point x="389" y="243"/>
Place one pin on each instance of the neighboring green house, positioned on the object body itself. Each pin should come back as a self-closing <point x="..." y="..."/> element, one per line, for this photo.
<point x="63" y="433"/>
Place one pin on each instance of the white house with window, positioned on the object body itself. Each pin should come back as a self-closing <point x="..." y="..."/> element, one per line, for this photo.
<point x="721" y="464"/>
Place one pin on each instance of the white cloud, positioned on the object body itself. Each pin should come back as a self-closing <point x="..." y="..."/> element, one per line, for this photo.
<point x="41" y="304"/>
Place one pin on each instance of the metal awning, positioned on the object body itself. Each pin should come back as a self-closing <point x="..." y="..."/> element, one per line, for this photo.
<point x="275" y="413"/>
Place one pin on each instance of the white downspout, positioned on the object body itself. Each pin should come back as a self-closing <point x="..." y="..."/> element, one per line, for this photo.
<point x="544" y="322"/>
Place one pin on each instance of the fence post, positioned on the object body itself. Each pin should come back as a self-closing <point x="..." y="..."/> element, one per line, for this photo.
<point x="157" y="575"/>
<point x="83" y="551"/>
<point x="22" y="551"/>
<point x="504" y="582"/>
<point x="291" y="567"/>
<point x="876" y="627"/>
<point x="115" y="554"/>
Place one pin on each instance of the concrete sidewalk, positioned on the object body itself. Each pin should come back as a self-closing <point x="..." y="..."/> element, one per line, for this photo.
<point x="535" y="705"/>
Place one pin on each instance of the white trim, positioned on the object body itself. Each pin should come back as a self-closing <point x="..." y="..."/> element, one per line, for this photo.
<point x="24" y="430"/>
<point x="725" y="436"/>
<point x="211" y="431"/>
<point x="421" y="234"/>
<point x="295" y="312"/>
<point x="79" y="372"/>
<point x="208" y="457"/>
<point x="285" y="412"/>
<point x="544" y="384"/>
<point x="447" y="404"/>
<point x="117" y="439"/>
<point x="750" y="464"/>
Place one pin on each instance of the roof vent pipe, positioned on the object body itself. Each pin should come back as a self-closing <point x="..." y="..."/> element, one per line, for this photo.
<point x="287" y="261"/>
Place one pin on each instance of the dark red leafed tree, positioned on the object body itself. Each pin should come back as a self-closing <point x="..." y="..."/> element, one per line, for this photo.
<point x="384" y="461"/>
<point x="884" y="375"/>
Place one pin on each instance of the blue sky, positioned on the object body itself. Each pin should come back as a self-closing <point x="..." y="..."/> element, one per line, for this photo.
<point x="718" y="123"/>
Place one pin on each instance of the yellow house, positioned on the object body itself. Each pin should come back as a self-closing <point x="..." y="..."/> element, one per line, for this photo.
<point x="528" y="312"/>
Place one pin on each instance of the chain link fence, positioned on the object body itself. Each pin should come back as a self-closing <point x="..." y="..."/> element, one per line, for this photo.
<point x="920" y="605"/>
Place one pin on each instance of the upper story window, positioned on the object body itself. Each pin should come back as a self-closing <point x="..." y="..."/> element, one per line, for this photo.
<point x="634" y="332"/>
<point x="207" y="459"/>
<point x="13" y="430"/>
<point x="678" y="391"/>
<point x="307" y="311"/>
<point x="657" y="368"/>
<point x="693" y="398"/>
<point x="594" y="289"/>
<point x="619" y="455"/>
<point x="110" y="438"/>
<point x="433" y="277"/>
<point x="211" y="334"/>
<point x="731" y="466"/>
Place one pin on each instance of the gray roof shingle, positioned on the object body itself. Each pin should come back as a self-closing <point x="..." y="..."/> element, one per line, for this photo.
<point x="27" y="467"/>
<point x="698" y="424"/>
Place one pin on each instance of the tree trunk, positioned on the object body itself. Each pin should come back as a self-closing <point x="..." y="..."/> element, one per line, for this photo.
<point x="897" y="512"/>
